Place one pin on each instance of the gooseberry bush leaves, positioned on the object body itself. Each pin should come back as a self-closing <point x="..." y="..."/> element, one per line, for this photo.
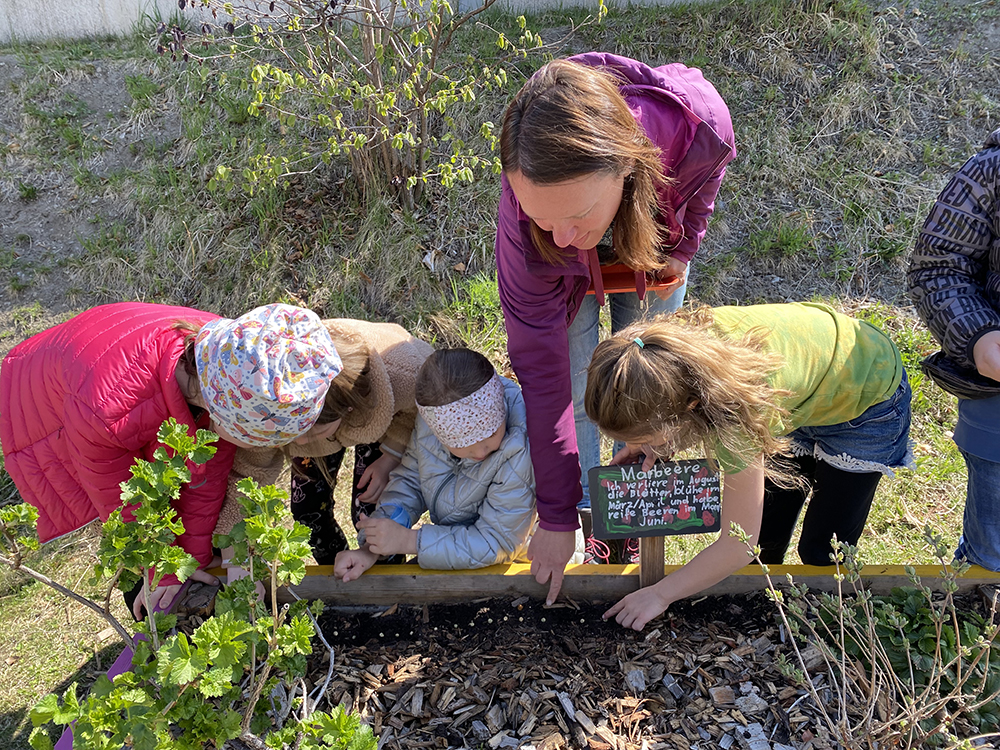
<point x="190" y="693"/>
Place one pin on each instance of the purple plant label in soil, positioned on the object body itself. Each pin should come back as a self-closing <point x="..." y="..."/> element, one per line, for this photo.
<point x="673" y="497"/>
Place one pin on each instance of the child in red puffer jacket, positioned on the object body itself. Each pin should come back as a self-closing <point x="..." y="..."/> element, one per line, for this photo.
<point x="81" y="401"/>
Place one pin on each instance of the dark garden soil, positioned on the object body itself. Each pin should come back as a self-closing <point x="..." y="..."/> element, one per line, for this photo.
<point x="498" y="673"/>
<point x="501" y="673"/>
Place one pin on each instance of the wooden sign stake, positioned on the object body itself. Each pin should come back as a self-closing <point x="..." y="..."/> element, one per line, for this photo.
<point x="650" y="560"/>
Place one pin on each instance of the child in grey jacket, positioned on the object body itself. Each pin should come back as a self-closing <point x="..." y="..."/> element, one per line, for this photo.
<point x="467" y="464"/>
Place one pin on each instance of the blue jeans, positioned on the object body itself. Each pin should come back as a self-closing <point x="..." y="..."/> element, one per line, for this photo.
<point x="876" y="440"/>
<point x="583" y="338"/>
<point x="980" y="540"/>
<point x="977" y="436"/>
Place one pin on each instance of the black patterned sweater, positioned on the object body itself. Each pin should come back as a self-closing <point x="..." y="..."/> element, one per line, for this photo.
<point x="954" y="274"/>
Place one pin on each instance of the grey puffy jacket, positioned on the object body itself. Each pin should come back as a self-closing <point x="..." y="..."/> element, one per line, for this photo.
<point x="481" y="512"/>
<point x="954" y="275"/>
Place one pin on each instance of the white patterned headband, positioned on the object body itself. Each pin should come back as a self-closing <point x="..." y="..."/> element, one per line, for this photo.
<point x="469" y="420"/>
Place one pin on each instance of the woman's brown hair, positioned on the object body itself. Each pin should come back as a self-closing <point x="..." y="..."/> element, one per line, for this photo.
<point x="570" y="120"/>
<point x="448" y="375"/>
<point x="686" y="387"/>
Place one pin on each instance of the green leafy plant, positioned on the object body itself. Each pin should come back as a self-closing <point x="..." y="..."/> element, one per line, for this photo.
<point x="18" y="536"/>
<point x="918" y="635"/>
<point x="375" y="82"/>
<point x="197" y="691"/>
<point x="130" y="548"/>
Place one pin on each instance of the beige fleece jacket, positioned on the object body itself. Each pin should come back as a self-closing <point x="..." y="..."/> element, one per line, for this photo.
<point x="394" y="360"/>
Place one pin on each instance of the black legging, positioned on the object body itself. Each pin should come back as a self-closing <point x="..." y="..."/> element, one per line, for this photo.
<point x="312" y="499"/>
<point x="839" y="505"/>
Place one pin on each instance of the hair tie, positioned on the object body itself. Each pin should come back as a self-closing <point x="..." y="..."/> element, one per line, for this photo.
<point x="638" y="341"/>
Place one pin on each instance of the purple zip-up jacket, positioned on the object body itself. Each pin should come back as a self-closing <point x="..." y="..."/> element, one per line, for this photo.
<point x="685" y="117"/>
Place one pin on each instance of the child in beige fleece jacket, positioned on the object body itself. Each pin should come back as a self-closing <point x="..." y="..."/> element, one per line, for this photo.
<point x="376" y="418"/>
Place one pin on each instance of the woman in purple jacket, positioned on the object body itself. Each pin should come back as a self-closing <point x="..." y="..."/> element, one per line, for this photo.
<point x="605" y="160"/>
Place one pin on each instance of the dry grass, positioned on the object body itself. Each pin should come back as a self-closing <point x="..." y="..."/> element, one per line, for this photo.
<point x="47" y="642"/>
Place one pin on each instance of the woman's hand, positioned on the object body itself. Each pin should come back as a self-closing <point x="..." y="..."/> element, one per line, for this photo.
<point x="986" y="354"/>
<point x="549" y="553"/>
<point x="376" y="477"/>
<point x="386" y="537"/>
<point x="351" y="563"/>
<point x="638" y="608"/>
<point x="672" y="275"/>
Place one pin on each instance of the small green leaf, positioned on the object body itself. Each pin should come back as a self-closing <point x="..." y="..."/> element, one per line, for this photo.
<point x="39" y="740"/>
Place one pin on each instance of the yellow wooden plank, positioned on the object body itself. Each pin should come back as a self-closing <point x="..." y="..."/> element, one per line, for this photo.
<point x="409" y="584"/>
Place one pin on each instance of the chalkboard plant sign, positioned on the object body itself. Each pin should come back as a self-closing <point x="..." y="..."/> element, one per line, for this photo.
<point x="673" y="497"/>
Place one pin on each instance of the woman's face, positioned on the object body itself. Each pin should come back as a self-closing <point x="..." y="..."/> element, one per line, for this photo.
<point x="577" y="212"/>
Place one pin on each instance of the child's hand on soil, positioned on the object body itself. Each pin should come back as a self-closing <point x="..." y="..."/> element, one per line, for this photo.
<point x="638" y="608"/>
<point x="376" y="477"/>
<point x="386" y="537"/>
<point x="351" y="563"/>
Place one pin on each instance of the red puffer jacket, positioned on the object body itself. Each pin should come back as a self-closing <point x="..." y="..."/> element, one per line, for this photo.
<point x="80" y="401"/>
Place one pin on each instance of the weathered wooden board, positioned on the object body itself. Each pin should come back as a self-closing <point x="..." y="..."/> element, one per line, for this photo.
<point x="408" y="584"/>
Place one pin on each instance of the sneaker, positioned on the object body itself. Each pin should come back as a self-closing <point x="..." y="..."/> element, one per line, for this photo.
<point x="612" y="551"/>
<point x="630" y="552"/>
<point x="596" y="552"/>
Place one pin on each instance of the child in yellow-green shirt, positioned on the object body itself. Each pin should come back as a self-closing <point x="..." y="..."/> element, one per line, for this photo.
<point x="825" y="392"/>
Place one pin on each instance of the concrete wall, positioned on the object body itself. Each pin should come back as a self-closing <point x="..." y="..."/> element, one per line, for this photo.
<point x="32" y="20"/>
<point x="35" y="20"/>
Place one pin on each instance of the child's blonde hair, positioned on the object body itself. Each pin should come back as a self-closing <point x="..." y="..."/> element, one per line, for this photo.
<point x="684" y="387"/>
<point x="349" y="395"/>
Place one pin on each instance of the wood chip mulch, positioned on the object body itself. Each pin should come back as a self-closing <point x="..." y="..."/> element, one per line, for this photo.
<point x="515" y="674"/>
